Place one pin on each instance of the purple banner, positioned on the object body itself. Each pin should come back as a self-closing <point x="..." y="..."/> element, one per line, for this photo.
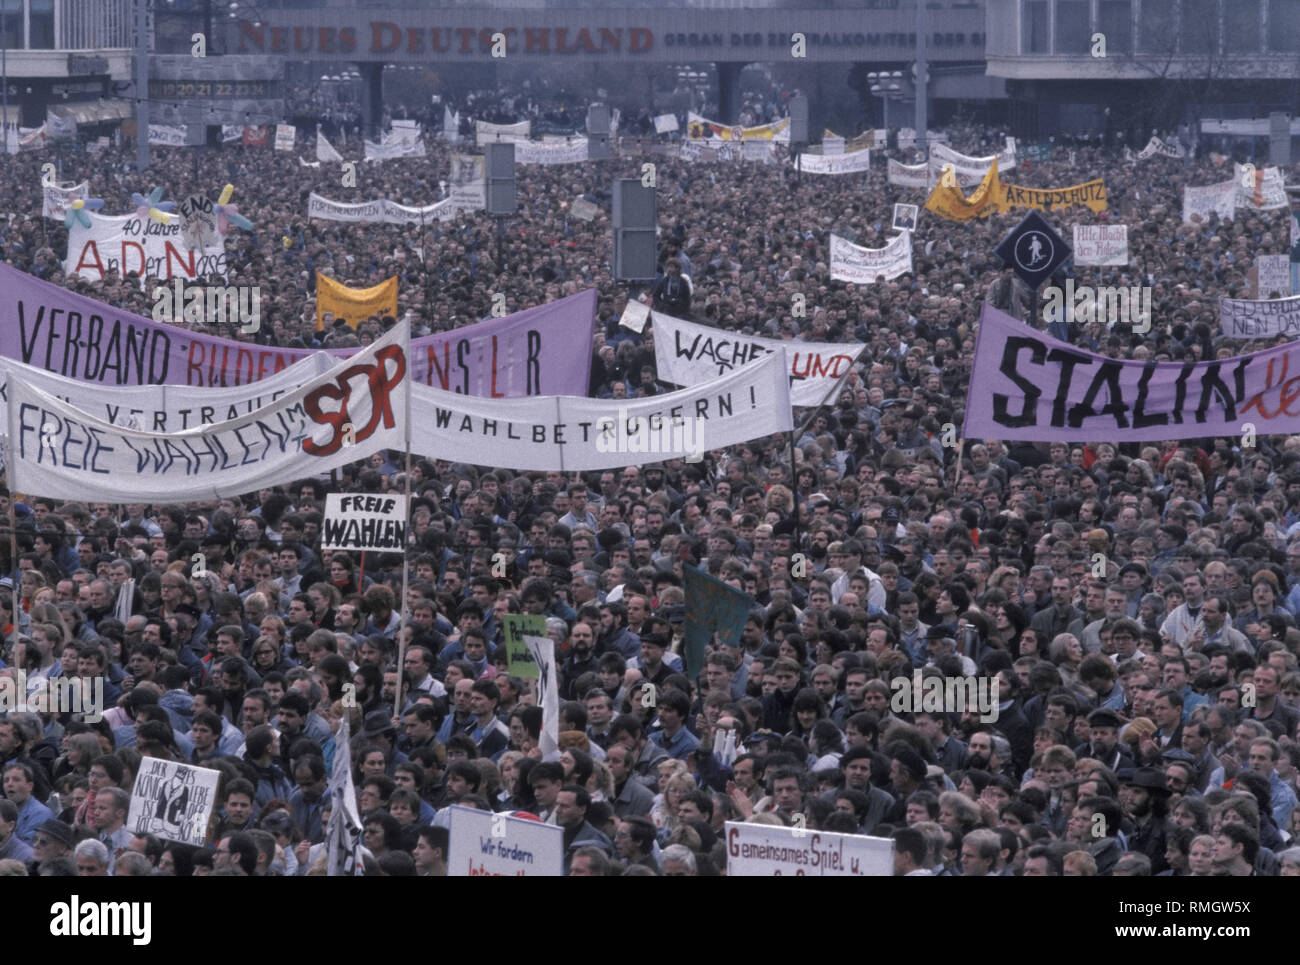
<point x="1029" y="386"/>
<point x="528" y="353"/>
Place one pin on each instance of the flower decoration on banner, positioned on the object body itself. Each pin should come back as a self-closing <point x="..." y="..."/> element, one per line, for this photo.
<point x="77" y="211"/>
<point x="228" y="214"/>
<point x="153" y="206"/>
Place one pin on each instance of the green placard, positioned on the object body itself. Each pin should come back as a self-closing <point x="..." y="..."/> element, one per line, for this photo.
<point x="515" y="626"/>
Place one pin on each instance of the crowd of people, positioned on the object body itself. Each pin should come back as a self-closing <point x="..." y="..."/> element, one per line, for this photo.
<point x="1135" y="605"/>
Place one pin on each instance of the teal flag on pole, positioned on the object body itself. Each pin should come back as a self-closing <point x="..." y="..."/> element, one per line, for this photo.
<point x="711" y="607"/>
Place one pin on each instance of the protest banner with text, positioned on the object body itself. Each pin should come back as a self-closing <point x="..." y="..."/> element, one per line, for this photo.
<point x="766" y="851"/>
<point x="353" y="305"/>
<point x="130" y="243"/>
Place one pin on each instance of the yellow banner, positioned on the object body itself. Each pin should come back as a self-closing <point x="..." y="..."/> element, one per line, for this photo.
<point x="947" y="201"/>
<point x="1090" y="194"/>
<point x="354" y="305"/>
<point x="698" y="128"/>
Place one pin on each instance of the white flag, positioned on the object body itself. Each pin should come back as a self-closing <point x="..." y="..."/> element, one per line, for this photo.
<point x="542" y="650"/>
<point x="343" y="834"/>
<point x="325" y="150"/>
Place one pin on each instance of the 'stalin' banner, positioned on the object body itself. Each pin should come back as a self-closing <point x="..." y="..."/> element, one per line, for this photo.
<point x="947" y="200"/>
<point x="353" y="305"/>
<point x="126" y="243"/>
<point x="526" y="353"/>
<point x="165" y="408"/>
<point x="1029" y="386"/>
<point x="865" y="266"/>
<point x="687" y="353"/>
<point x="1090" y="194"/>
<point x="570" y="434"/>
<point x="353" y="410"/>
<point x="1259" y="318"/>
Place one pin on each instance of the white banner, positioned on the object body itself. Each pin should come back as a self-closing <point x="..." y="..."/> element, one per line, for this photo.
<point x="1260" y="318"/>
<point x="353" y="410"/>
<point x="394" y="148"/>
<point x="173" y="801"/>
<point x="1219" y="198"/>
<point x="128" y="243"/>
<point x="165" y="408"/>
<point x="1100" y="244"/>
<point x="482" y="843"/>
<point x="344" y="830"/>
<point x="379" y="211"/>
<point x="766" y="851"/>
<point x="564" y="152"/>
<point x="501" y="132"/>
<point x="865" y="266"/>
<point x="666" y="123"/>
<point x="1262" y="192"/>
<point x="1274" y="274"/>
<point x="542" y="650"/>
<point x="364" y="522"/>
<point x="231" y="132"/>
<point x="1156" y="146"/>
<point x="168" y="135"/>
<point x="969" y="170"/>
<point x="284" y="135"/>
<point x="325" y="150"/>
<point x="850" y="163"/>
<point x="690" y="354"/>
<point x="908" y="175"/>
<point x="57" y="199"/>
<point x="571" y="434"/>
<point x="831" y="145"/>
<point x="59" y="127"/>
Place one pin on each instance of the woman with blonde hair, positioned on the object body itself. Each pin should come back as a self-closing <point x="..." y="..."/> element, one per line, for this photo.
<point x="664" y="810"/>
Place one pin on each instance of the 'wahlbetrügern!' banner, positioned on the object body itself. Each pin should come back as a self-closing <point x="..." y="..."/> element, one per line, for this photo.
<point x="1029" y="386"/>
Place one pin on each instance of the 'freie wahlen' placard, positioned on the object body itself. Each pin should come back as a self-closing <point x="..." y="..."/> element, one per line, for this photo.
<point x="356" y="522"/>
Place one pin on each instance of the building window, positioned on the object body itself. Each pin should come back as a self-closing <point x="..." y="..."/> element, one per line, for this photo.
<point x="1201" y="26"/>
<point x="1034" y="40"/>
<point x="40" y="24"/>
<point x="1284" y="25"/>
<point x="1115" y="20"/>
<point x="1073" y="35"/>
<point x="11" y="24"/>
<point x="1241" y="26"/>
<point x="1159" y="27"/>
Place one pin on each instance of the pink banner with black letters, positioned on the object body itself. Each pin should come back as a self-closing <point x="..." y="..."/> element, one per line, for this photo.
<point x="525" y="354"/>
<point x="1029" y="386"/>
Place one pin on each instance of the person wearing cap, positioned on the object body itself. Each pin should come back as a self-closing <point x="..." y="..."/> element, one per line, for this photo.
<point x="1144" y="795"/>
<point x="53" y="840"/>
<point x="1103" y="743"/>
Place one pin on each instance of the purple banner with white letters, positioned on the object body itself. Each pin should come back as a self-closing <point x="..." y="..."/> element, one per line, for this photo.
<point x="1029" y="386"/>
<point x="528" y="353"/>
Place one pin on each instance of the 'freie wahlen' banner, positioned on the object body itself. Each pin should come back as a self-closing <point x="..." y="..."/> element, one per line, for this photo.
<point x="364" y="522"/>
<point x="691" y="354"/>
<point x="351" y="411"/>
<point x="571" y="434"/>
<point x="1029" y="386"/>
<point x="525" y="353"/>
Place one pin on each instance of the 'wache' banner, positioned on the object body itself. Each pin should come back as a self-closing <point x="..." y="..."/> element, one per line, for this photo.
<point x="126" y="243"/>
<point x="690" y="354"/>
<point x="1029" y="386"/>
<point x="165" y="408"/>
<point x="570" y="434"/>
<point x="1259" y="318"/>
<point x="351" y="411"/>
<point x="525" y="353"/>
<point x="865" y="266"/>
